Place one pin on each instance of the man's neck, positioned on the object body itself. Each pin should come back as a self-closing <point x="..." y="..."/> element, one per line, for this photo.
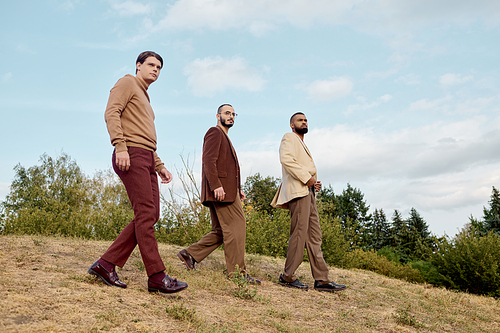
<point x="301" y="136"/>
<point x="224" y="128"/>
<point x="142" y="80"/>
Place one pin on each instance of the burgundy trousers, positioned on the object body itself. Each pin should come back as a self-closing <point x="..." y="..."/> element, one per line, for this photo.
<point x="305" y="231"/>
<point x="141" y="183"/>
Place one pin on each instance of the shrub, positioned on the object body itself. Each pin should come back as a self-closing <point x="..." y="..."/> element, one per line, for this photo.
<point x="268" y="235"/>
<point x="470" y="262"/>
<point x="55" y="197"/>
<point x="369" y="260"/>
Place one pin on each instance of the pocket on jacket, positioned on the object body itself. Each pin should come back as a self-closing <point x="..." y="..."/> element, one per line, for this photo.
<point x="222" y="174"/>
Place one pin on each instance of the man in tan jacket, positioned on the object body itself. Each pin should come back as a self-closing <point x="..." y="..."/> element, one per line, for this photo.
<point x="297" y="193"/>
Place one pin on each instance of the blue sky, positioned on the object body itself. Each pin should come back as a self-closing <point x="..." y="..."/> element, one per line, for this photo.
<point x="402" y="97"/>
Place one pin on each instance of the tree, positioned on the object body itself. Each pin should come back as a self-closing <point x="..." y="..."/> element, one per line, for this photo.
<point x="353" y="212"/>
<point x="491" y="215"/>
<point x="56" y="197"/>
<point x="260" y="192"/>
<point x="377" y="231"/>
<point x="44" y="198"/>
<point x="417" y="224"/>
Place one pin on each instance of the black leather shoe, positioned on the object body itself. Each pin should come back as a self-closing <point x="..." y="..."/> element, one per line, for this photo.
<point x="295" y="284"/>
<point x="332" y="286"/>
<point x="110" y="278"/>
<point x="187" y="259"/>
<point x="168" y="286"/>
<point x="252" y="280"/>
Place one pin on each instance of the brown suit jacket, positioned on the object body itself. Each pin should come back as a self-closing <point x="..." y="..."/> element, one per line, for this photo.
<point x="219" y="167"/>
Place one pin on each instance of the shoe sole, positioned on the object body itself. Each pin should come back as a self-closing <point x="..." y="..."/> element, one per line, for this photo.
<point x="156" y="290"/>
<point x="294" y="287"/>
<point x="185" y="262"/>
<point x="92" y="272"/>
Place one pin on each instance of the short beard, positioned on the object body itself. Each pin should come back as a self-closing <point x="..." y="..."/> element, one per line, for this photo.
<point x="301" y="130"/>
<point x="223" y="122"/>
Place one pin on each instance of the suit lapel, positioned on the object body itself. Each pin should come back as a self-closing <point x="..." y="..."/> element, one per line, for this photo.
<point x="230" y="144"/>
<point x="303" y="145"/>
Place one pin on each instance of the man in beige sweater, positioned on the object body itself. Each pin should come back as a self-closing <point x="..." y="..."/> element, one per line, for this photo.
<point x="297" y="193"/>
<point x="130" y="121"/>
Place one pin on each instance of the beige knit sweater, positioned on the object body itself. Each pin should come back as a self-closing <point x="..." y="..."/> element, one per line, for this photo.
<point x="130" y="118"/>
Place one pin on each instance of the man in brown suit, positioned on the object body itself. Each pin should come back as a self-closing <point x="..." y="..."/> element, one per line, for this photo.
<point x="297" y="193"/>
<point x="221" y="192"/>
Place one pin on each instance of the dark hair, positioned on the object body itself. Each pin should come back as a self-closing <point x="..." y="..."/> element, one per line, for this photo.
<point x="220" y="107"/>
<point x="296" y="113"/>
<point x="146" y="54"/>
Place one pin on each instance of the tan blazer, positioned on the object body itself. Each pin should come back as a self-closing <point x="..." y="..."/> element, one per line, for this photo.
<point x="297" y="167"/>
<point x="219" y="167"/>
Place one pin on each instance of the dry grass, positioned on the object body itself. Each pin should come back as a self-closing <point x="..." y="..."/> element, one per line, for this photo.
<point x="44" y="287"/>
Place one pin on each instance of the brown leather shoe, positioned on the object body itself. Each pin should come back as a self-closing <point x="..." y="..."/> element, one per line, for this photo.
<point x="110" y="278"/>
<point x="168" y="286"/>
<point x="187" y="259"/>
<point x="252" y="280"/>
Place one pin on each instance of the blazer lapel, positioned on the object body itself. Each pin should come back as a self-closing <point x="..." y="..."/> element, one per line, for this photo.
<point x="230" y="144"/>
<point x="303" y="145"/>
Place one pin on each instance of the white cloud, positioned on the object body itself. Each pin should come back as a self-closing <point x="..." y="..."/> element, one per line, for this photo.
<point x="6" y="77"/>
<point x="131" y="8"/>
<point x="453" y="105"/>
<point x="23" y="48"/>
<point x="375" y="16"/>
<point x="440" y="167"/>
<point x="209" y="76"/>
<point x="451" y="79"/>
<point x="386" y="98"/>
<point x="324" y="90"/>
<point x="439" y="104"/>
<point x="410" y="79"/>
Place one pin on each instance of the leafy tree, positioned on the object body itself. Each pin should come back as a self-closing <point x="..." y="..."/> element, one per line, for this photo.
<point x="260" y="192"/>
<point x="45" y="198"/>
<point x="56" y="197"/>
<point x="327" y="203"/>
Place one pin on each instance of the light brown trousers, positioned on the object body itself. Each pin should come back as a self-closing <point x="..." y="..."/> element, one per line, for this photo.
<point x="305" y="232"/>
<point x="228" y="228"/>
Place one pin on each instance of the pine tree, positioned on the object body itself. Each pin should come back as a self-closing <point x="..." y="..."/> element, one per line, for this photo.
<point x="353" y="212"/>
<point x="380" y="230"/>
<point x="491" y="216"/>
<point x="417" y="224"/>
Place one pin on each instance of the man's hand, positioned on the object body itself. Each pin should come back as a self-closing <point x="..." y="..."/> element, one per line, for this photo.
<point x="242" y="195"/>
<point x="166" y="176"/>
<point x="123" y="160"/>
<point x="219" y="194"/>
<point x="311" y="182"/>
<point x="317" y="186"/>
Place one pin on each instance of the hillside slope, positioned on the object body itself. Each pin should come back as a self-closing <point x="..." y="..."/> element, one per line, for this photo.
<point x="44" y="287"/>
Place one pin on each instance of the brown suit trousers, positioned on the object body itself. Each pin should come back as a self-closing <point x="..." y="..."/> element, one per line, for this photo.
<point x="305" y="231"/>
<point x="228" y="228"/>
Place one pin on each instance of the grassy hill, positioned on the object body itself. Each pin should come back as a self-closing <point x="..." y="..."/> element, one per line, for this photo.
<point x="44" y="287"/>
